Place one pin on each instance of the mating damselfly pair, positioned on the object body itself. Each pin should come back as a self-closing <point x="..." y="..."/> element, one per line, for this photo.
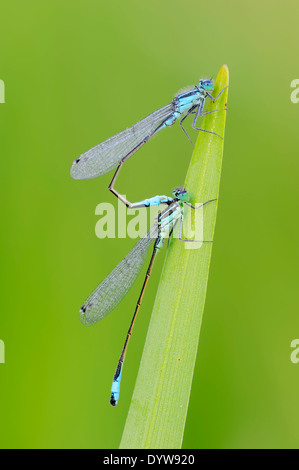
<point x="111" y="154"/>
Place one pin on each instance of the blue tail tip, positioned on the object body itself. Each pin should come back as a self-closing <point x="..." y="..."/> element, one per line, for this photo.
<point x="116" y="386"/>
<point x="113" y="401"/>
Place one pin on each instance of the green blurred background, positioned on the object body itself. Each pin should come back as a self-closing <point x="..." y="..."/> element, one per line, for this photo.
<point x="76" y="72"/>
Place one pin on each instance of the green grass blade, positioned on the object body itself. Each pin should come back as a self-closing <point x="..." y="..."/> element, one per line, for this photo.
<point x="158" y="410"/>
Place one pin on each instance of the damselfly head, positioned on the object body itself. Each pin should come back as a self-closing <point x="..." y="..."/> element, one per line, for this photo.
<point x="180" y="194"/>
<point x="208" y="85"/>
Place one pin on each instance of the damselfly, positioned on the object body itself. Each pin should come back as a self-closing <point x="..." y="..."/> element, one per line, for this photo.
<point x="115" y="286"/>
<point x="113" y="152"/>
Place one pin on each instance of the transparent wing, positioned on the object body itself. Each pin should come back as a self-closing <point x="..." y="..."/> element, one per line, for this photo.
<point x="185" y="89"/>
<point x="107" y="155"/>
<point x="115" y="286"/>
